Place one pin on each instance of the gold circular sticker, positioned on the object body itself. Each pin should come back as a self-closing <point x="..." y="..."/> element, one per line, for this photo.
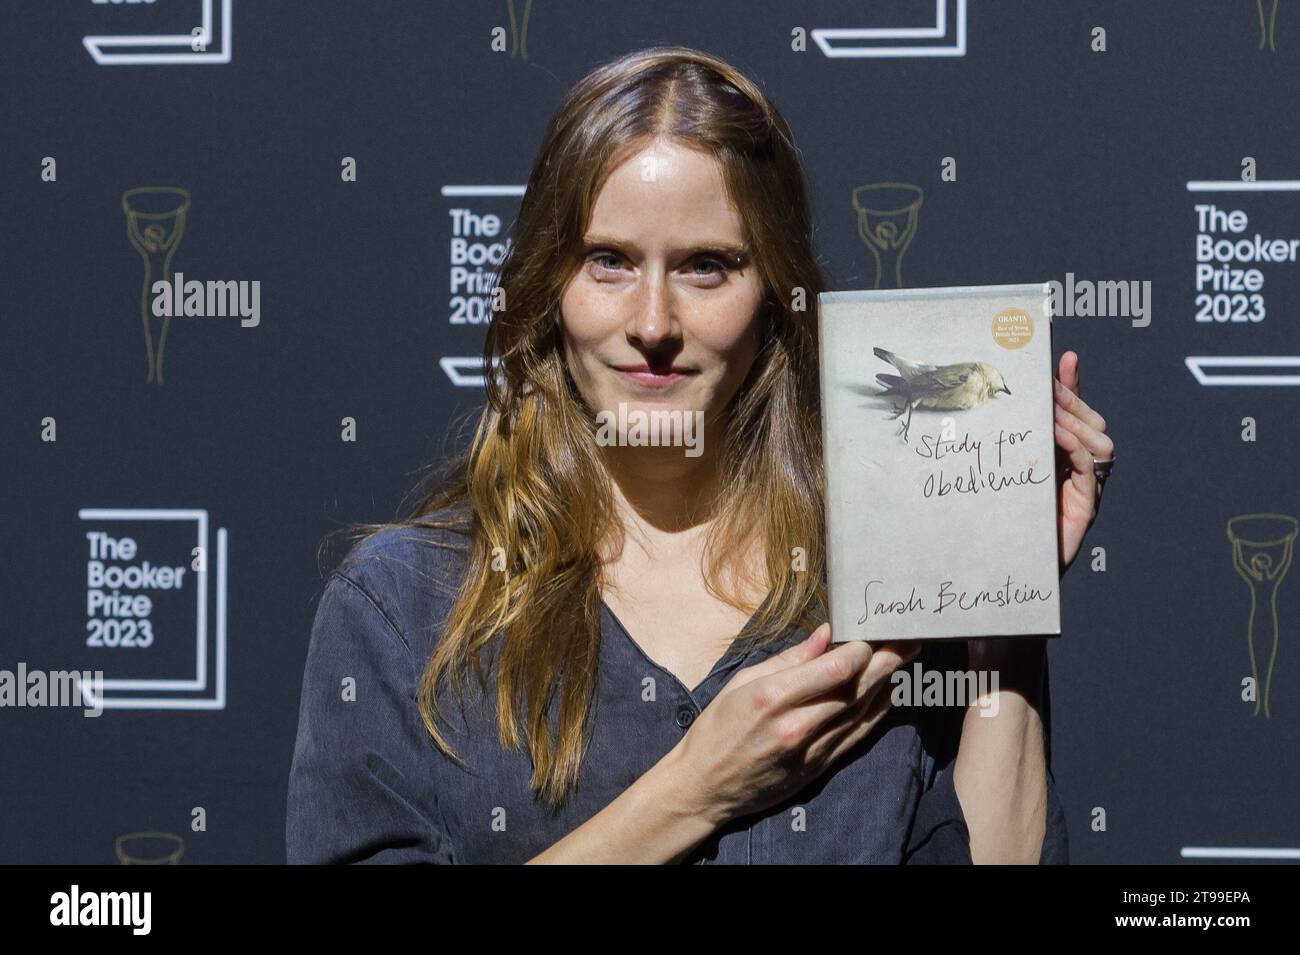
<point x="1013" y="328"/>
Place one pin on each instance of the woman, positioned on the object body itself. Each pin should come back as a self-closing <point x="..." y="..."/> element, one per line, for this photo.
<point x="645" y="684"/>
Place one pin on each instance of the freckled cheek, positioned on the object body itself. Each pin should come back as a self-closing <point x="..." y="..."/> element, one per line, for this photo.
<point x="586" y="320"/>
<point x="593" y="308"/>
<point x="727" y="326"/>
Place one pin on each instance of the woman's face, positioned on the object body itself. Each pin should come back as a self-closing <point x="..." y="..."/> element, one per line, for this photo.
<point x="660" y="289"/>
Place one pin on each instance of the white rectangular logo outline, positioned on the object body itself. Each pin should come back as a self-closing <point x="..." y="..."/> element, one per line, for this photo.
<point x="95" y="45"/>
<point x="200" y="681"/>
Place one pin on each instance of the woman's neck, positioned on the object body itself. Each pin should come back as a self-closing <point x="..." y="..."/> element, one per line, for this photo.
<point x="662" y="496"/>
<point x="668" y="504"/>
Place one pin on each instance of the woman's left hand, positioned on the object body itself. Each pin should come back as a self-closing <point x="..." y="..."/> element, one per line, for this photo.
<point x="1080" y="438"/>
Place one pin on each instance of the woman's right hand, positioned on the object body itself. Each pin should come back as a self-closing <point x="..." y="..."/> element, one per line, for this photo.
<point x="778" y="725"/>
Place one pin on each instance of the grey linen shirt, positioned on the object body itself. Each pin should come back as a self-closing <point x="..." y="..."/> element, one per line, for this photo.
<point x="368" y="784"/>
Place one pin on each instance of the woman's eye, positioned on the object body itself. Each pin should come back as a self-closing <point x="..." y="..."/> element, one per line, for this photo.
<point x="711" y="266"/>
<point x="605" y="261"/>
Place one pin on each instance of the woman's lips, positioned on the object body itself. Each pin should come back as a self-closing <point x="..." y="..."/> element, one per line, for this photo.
<point x="642" y="375"/>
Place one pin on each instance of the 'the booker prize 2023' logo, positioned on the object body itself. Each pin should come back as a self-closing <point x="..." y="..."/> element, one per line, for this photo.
<point x="150" y="581"/>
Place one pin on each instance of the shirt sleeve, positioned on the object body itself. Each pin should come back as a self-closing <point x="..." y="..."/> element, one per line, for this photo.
<point x="1056" y="841"/>
<point x="939" y="834"/>
<point x="360" y="785"/>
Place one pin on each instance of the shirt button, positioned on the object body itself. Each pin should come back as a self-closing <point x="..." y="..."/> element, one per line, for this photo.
<point x="685" y="717"/>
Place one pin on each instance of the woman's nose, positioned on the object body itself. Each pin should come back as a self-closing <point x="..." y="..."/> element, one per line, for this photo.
<point x="652" y="319"/>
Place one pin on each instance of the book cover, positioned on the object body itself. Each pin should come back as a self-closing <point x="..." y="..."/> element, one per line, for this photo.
<point x="940" y="454"/>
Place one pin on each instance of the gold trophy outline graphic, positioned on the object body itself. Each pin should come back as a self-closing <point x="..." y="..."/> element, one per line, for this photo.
<point x="879" y="207"/>
<point x="519" y="29"/>
<point x="1253" y="536"/>
<point x="1272" y="20"/>
<point x="149" y="848"/>
<point x="155" y="225"/>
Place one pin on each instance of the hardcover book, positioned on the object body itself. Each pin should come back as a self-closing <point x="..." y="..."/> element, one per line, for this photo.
<point x="940" y="454"/>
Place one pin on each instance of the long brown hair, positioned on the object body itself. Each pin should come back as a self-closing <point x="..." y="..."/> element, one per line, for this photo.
<point x="531" y="495"/>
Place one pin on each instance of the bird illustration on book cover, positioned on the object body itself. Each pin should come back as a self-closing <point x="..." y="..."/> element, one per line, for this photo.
<point x="957" y="387"/>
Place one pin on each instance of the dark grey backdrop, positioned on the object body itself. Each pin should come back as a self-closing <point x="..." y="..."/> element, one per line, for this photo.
<point x="1068" y="161"/>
